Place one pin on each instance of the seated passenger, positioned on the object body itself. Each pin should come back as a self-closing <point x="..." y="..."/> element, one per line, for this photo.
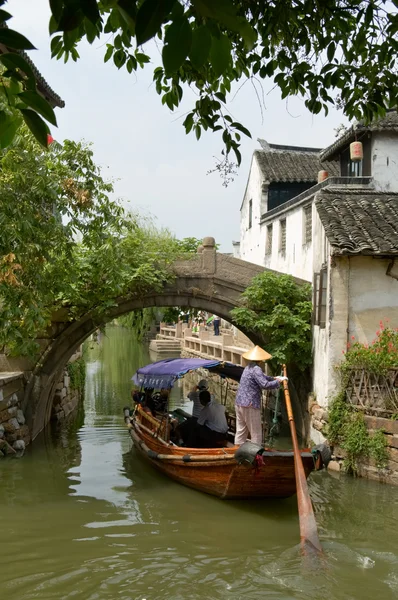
<point x="194" y="397"/>
<point x="147" y="402"/>
<point x="211" y="427"/>
<point x="161" y="400"/>
<point x="184" y="430"/>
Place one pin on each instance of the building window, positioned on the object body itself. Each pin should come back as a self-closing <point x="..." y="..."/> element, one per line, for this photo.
<point x="354" y="168"/>
<point x="282" y="237"/>
<point x="307" y="224"/>
<point x="320" y="298"/>
<point x="279" y="193"/>
<point x="250" y="213"/>
<point x="268" y="244"/>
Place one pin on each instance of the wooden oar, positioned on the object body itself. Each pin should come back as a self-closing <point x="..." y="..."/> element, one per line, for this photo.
<point x="308" y="529"/>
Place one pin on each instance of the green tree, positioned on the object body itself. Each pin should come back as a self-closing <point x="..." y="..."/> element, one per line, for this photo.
<point x="64" y="243"/>
<point x="279" y="311"/>
<point x="331" y="52"/>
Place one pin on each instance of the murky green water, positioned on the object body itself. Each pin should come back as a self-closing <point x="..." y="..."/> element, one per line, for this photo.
<point x="82" y="517"/>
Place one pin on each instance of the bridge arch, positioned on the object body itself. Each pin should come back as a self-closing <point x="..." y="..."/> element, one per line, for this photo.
<point x="209" y="281"/>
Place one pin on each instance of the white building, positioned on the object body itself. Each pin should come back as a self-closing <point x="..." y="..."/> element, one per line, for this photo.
<point x="278" y="174"/>
<point x="341" y="235"/>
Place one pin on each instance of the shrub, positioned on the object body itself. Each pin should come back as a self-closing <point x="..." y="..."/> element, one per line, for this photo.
<point x="378" y="357"/>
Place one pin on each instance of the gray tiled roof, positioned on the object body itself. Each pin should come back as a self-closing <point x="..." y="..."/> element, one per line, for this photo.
<point x="359" y="221"/>
<point x="387" y="123"/>
<point x="292" y="165"/>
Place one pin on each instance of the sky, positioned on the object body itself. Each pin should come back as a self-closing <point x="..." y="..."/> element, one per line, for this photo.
<point x="160" y="171"/>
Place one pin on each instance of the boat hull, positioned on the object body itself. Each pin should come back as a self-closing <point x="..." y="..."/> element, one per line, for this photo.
<point x="215" y="470"/>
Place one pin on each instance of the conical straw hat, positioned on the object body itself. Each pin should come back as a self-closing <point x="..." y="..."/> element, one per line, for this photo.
<point x="256" y="354"/>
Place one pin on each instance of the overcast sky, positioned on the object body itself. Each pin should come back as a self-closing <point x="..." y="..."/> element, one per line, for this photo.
<point x="159" y="169"/>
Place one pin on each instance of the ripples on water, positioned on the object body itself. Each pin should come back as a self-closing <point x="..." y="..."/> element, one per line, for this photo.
<point x="82" y="517"/>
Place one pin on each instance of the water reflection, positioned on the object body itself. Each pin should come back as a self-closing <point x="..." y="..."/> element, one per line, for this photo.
<point x="84" y="517"/>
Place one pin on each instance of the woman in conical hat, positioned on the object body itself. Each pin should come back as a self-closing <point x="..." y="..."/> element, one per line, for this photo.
<point x="248" y="396"/>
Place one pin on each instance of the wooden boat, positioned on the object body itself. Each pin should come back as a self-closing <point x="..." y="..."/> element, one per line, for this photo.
<point x="215" y="471"/>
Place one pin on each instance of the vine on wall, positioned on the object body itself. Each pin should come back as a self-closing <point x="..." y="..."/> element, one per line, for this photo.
<point x="347" y="428"/>
<point x="77" y="374"/>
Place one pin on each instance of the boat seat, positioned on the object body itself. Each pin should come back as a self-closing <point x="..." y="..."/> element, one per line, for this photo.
<point x="221" y="444"/>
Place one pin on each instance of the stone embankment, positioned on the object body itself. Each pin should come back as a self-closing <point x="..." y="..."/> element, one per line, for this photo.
<point x="14" y="431"/>
<point x="366" y="466"/>
<point x="69" y="390"/>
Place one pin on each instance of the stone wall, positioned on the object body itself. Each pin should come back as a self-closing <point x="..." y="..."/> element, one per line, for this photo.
<point x="66" y="398"/>
<point x="366" y="466"/>
<point x="14" y="433"/>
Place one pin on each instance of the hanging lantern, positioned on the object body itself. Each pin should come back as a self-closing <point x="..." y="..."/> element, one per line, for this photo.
<point x="322" y="175"/>
<point x="356" y="151"/>
<point x="50" y="139"/>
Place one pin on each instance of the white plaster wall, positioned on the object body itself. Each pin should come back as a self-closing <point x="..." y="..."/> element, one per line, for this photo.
<point x="384" y="148"/>
<point x="320" y="351"/>
<point x="338" y="329"/>
<point x="252" y="241"/>
<point x="298" y="259"/>
<point x="320" y="335"/>
<point x="373" y="297"/>
<point x="361" y="295"/>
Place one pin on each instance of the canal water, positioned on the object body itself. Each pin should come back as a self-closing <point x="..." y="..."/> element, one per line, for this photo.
<point x="83" y="518"/>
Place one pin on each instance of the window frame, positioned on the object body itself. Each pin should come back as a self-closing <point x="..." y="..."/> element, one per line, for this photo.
<point x="269" y="239"/>
<point x="320" y="286"/>
<point x="250" y="213"/>
<point x="307" y="218"/>
<point x="282" y="236"/>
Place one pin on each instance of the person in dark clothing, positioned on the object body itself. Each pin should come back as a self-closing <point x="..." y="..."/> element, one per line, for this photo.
<point x="211" y="427"/>
<point x="216" y="324"/>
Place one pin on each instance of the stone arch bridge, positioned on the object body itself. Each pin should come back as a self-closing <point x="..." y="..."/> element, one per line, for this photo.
<point x="209" y="281"/>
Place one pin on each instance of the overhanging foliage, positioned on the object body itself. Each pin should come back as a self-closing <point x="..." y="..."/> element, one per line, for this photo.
<point x="334" y="52"/>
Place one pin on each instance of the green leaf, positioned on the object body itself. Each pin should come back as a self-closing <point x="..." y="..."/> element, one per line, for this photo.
<point x="56" y="45"/>
<point x="39" y="104"/>
<point x="225" y="13"/>
<point x="150" y="18"/>
<point x="331" y="51"/>
<point x="200" y="48"/>
<point x="221" y="10"/>
<point x="240" y="128"/>
<point x="15" y="40"/>
<point x="56" y="9"/>
<point x="72" y="16"/>
<point x="119" y="58"/>
<point x="178" y="40"/>
<point x="108" y="53"/>
<point x="237" y="154"/>
<point x="8" y="128"/>
<point x="52" y="25"/>
<point x="128" y="13"/>
<point x="4" y="16"/>
<point x="36" y="125"/>
<point x="188" y="123"/>
<point x="90" y="10"/>
<point x="220" y="54"/>
<point x="248" y="34"/>
<point x="15" y="61"/>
